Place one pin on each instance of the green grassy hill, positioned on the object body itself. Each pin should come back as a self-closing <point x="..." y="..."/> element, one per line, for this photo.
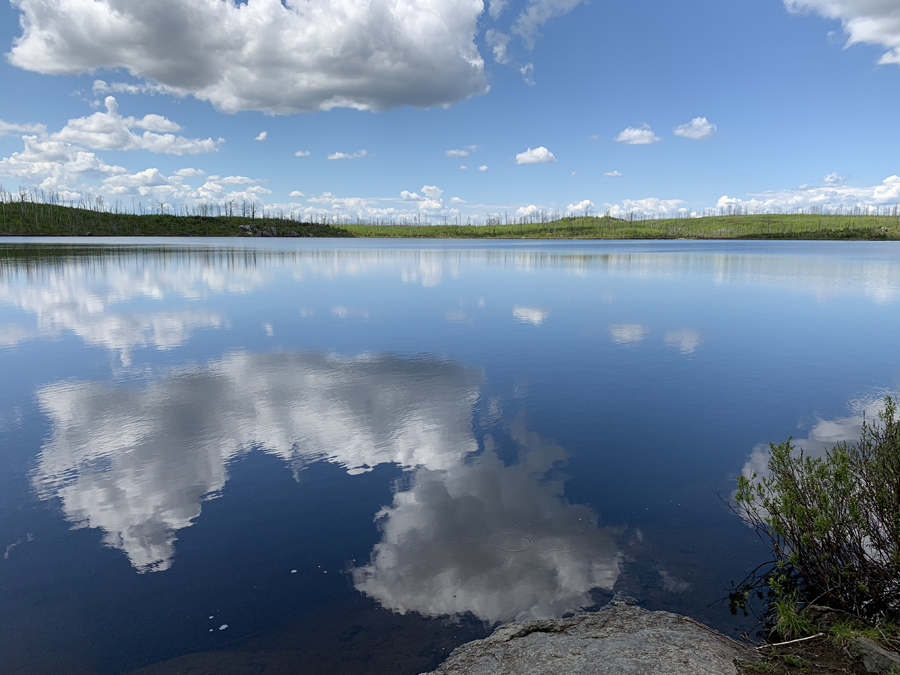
<point x="28" y="218"/>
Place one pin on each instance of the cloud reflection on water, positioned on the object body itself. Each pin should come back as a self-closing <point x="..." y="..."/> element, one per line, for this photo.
<point x="469" y="534"/>
<point x="824" y="434"/>
<point x="136" y="462"/>
<point x="498" y="541"/>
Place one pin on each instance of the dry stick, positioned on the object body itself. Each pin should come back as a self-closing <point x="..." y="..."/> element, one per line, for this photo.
<point x="789" y="642"/>
<point x="714" y="632"/>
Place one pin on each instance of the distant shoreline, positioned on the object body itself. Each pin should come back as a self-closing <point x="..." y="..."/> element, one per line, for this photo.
<point x="39" y="219"/>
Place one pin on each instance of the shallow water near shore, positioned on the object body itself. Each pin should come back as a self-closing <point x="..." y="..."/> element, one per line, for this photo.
<point x="353" y="456"/>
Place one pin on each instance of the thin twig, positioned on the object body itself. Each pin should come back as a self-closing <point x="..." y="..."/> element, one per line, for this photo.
<point x="714" y="632"/>
<point x="790" y="642"/>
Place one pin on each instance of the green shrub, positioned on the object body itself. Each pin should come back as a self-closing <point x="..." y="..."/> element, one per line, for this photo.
<point x="832" y="523"/>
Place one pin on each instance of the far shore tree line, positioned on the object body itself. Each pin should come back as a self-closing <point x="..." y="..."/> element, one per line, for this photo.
<point x="38" y="213"/>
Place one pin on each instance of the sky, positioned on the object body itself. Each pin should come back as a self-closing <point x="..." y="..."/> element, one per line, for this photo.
<point x="453" y="110"/>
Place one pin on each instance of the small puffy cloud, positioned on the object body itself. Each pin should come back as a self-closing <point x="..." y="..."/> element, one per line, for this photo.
<point x="461" y="152"/>
<point x="498" y="42"/>
<point x="483" y="167"/>
<point x="584" y="207"/>
<point x="463" y="167"/>
<point x="527" y="72"/>
<point x="110" y="131"/>
<point x="874" y="22"/>
<point x="408" y="196"/>
<point x="834" y="179"/>
<point x="457" y="200"/>
<point x="280" y="57"/>
<point x="698" y="129"/>
<point x="432" y="191"/>
<point x="528" y="211"/>
<point x="296" y="193"/>
<point x="613" y="174"/>
<point x="10" y="128"/>
<point x="303" y="153"/>
<point x="539" y="155"/>
<point x="642" y="135"/>
<point x="262" y="136"/>
<point x="344" y="155"/>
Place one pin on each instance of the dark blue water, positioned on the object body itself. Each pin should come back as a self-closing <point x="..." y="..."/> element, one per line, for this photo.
<point x="353" y="456"/>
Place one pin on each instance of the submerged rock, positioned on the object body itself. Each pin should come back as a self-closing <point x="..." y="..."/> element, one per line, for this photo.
<point x="618" y="640"/>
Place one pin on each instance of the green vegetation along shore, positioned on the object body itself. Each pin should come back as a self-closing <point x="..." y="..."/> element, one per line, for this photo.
<point x="30" y="218"/>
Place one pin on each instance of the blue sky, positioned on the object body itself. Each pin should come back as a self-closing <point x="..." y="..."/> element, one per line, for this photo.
<point x="550" y="105"/>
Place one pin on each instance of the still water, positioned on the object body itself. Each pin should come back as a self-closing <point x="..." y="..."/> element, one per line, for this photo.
<point x="352" y="456"/>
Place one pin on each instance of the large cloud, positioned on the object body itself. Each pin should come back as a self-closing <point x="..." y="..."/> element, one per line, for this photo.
<point x="494" y="540"/>
<point x="875" y="22"/>
<point x="267" y="55"/>
<point x="136" y="462"/>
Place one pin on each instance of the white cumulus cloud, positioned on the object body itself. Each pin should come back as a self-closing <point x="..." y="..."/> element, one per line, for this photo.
<point x="344" y="155"/>
<point x="698" y="129"/>
<point x="641" y="135"/>
<point x="539" y="155"/>
<point x="301" y="153"/>
<point x="832" y="194"/>
<point x="584" y="207"/>
<point x="110" y="131"/>
<point x="613" y="174"/>
<point x="280" y="57"/>
<point x="649" y="206"/>
<point x="262" y="136"/>
<point x="461" y="152"/>
<point x="483" y="167"/>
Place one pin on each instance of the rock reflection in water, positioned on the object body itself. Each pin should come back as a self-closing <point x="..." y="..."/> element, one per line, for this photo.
<point x="138" y="462"/>
<point x="494" y="540"/>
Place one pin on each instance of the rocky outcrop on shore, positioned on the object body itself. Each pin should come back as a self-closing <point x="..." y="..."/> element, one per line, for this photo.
<point x="620" y="639"/>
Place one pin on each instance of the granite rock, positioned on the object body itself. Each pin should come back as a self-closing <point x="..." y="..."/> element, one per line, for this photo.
<point x="618" y="640"/>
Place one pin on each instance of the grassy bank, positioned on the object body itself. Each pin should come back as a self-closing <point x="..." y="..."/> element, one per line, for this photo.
<point x="29" y="218"/>
<point x="34" y="219"/>
<point x="764" y="226"/>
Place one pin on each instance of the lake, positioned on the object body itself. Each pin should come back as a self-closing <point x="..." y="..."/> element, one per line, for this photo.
<point x="345" y="456"/>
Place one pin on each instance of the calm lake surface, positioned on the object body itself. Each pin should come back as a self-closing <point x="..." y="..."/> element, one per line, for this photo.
<point x="353" y="456"/>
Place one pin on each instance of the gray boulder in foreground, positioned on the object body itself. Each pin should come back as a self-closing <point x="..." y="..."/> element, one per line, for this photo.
<point x="619" y="640"/>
